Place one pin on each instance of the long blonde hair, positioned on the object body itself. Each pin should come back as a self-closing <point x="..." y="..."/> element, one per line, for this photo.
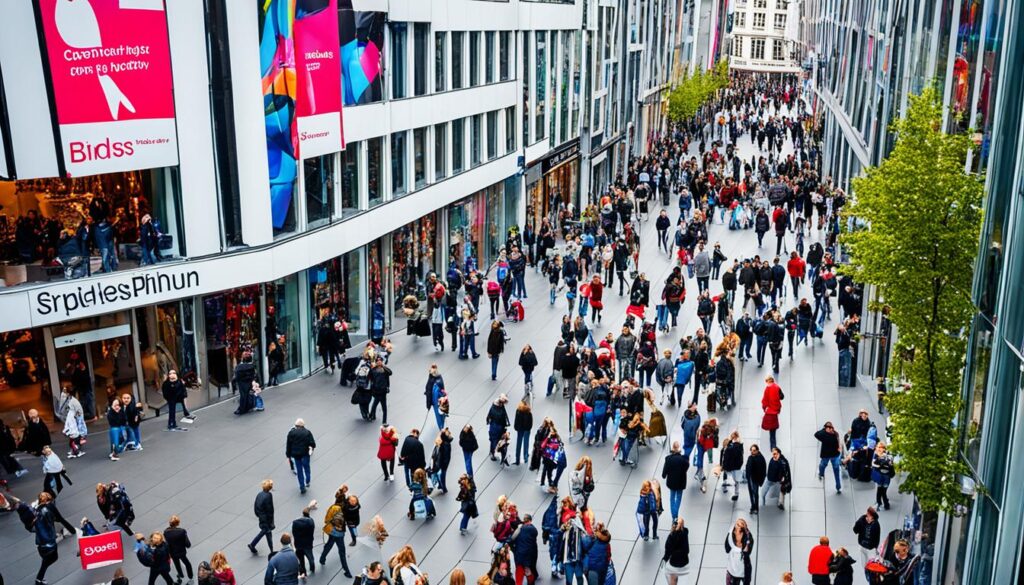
<point x="219" y="562"/>
<point x="403" y="558"/>
<point x="457" y="577"/>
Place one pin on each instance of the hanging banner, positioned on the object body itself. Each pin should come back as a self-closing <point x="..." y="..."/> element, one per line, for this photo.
<point x="100" y="550"/>
<point x="111" y="69"/>
<point x="318" y="76"/>
<point x="362" y="57"/>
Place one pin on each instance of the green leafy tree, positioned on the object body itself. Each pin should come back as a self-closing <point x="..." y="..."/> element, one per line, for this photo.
<point x="922" y="215"/>
<point x="687" y="98"/>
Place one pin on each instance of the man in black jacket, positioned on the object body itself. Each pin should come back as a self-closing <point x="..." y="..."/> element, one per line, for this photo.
<point x="869" y="534"/>
<point x="263" y="507"/>
<point x="756" y="469"/>
<point x="177" y="546"/>
<point x="829" y="453"/>
<point x="674" y="473"/>
<point x="174" y="392"/>
<point x="524" y="550"/>
<point x="303" y="530"/>
<point x="244" y="376"/>
<point x="380" y="386"/>
<point x="412" y="455"/>
<point x="299" y="447"/>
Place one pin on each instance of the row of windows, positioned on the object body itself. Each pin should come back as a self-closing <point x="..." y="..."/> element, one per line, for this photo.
<point x="757" y="48"/>
<point x="339" y="185"/>
<point x="779" y="4"/>
<point x="740" y="20"/>
<point x="461" y="59"/>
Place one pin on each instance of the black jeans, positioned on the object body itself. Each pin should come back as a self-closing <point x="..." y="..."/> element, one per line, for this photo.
<point x="388" y="467"/>
<point x="383" y="402"/>
<point x="304" y="555"/>
<point x="48" y="555"/>
<point x="164" y="572"/>
<point x="776" y="349"/>
<point x="178" y="562"/>
<point x="264" y="533"/>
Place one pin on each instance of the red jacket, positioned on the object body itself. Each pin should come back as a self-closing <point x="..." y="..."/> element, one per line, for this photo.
<point x="818" y="561"/>
<point x="796" y="267"/>
<point x="771" y="401"/>
<point x="387" y="443"/>
<point x="596" y="291"/>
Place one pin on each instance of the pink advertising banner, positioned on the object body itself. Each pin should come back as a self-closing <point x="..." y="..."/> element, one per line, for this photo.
<point x="318" y="69"/>
<point x="110" y="63"/>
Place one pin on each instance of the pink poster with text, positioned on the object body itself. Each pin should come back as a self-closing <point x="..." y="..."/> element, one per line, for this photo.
<point x="318" y="72"/>
<point x="110" y="63"/>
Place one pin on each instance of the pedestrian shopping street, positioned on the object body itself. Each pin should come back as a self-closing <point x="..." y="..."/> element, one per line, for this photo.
<point x="210" y="475"/>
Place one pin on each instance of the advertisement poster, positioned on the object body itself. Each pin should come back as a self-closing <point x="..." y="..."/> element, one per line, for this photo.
<point x="318" y="70"/>
<point x="100" y="550"/>
<point x="111" y="69"/>
<point x="362" y="45"/>
<point x="277" y="66"/>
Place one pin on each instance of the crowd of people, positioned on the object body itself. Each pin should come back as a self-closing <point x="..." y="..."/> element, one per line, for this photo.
<point x="641" y="378"/>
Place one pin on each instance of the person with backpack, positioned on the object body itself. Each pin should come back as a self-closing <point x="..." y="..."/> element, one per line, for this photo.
<point x="263" y="508"/>
<point x="154" y="554"/>
<point x="334" y="529"/>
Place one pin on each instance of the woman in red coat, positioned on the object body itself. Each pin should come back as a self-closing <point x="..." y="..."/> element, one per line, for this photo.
<point x="771" y="404"/>
<point x="596" y="297"/>
<point x="386" y="451"/>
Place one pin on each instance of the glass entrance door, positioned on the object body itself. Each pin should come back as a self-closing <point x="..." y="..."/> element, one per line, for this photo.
<point x="99" y="365"/>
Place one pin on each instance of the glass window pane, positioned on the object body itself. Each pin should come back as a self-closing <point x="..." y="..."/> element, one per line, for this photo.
<point x="375" y="170"/>
<point x="492" y="135"/>
<point x="510" y="129"/>
<point x="399" y="148"/>
<point x="527" y="90"/>
<point x="398" y="56"/>
<point x="458" y="145"/>
<point x="420" y="39"/>
<point x="489" y="57"/>
<point x="350" y="180"/>
<point x="440" y="151"/>
<point x="542" y="72"/>
<point x="458" y="42"/>
<point x="476" y="149"/>
<point x="419" y="157"/>
<point x="474" y="58"/>
<point x="439" y="61"/>
<point x="504" y="70"/>
<point x="318" y="173"/>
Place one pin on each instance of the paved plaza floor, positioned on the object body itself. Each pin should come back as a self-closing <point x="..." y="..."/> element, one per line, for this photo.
<point x="210" y="476"/>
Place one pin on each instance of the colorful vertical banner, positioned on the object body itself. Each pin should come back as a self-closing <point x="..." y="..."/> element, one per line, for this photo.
<point x="110" y="63"/>
<point x="362" y="46"/>
<point x="277" y="67"/>
<point x="318" y="73"/>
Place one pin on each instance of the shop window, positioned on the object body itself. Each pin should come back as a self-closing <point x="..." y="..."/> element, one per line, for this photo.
<point x="334" y="294"/>
<point x="458" y="145"/>
<point x="504" y="53"/>
<point x="492" y="135"/>
<point x="489" y="57"/>
<point x="419" y="157"/>
<point x="466" y="224"/>
<point x="318" y="175"/>
<point x="166" y="339"/>
<point x="375" y="289"/>
<point x="420" y="40"/>
<point x="398" y="59"/>
<point x="440" y="151"/>
<point x="413" y="256"/>
<point x="474" y="58"/>
<point x="283" y="329"/>
<point x="475" y="139"/>
<point x="564" y="95"/>
<point x="440" y="61"/>
<point x="458" y="49"/>
<point x="399" y="159"/>
<point x="24" y="376"/>
<point x="495" y="222"/>
<point x="510" y="129"/>
<point x="133" y="219"/>
<point x="375" y="170"/>
<point x="527" y="90"/>
<point x="232" y="323"/>
<point x="542" y="72"/>
<point x="350" y="180"/>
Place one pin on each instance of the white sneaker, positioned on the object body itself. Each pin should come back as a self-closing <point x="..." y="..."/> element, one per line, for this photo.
<point x="114" y="457"/>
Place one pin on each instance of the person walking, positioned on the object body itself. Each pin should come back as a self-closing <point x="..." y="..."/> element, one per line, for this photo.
<point x="177" y="547"/>
<point x="581" y="482"/>
<point x="647" y="509"/>
<point x="829" y="453"/>
<point x="701" y="268"/>
<point x="133" y="418"/>
<point x="818" y="562"/>
<point x="523" y="424"/>
<point x="691" y="425"/>
<point x="117" y="421"/>
<point x="771" y="405"/>
<point x="263" y="507"/>
<point x="303" y="530"/>
<point x="242" y="382"/>
<point x="334" y="528"/>
<point x="174" y="393"/>
<point x="45" y="525"/>
<point x="597" y="553"/>
<point x="732" y="461"/>
<point x="283" y="566"/>
<point x="525" y="551"/>
<point x="528" y="363"/>
<point x="842" y="567"/>
<point x="380" y="387"/>
<point x="496" y="340"/>
<point x="882" y="472"/>
<point x="677" y="553"/>
<point x="684" y="369"/>
<point x="469" y="445"/>
<point x="412" y="456"/>
<point x="299" y="446"/>
<point x="869" y="534"/>
<point x="755" y="470"/>
<point x="497" y="422"/>
<point x="467" y="501"/>
<point x="673" y="471"/>
<point x="440" y="458"/>
<point x="777" y="475"/>
<point x="154" y="554"/>
<point x="739" y="543"/>
<point x="386" y="445"/>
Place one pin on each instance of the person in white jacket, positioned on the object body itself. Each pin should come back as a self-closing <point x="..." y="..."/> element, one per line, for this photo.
<point x="74" y="422"/>
<point x="53" y="470"/>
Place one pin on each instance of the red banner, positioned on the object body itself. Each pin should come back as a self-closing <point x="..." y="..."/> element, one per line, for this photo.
<point x="318" y="69"/>
<point x="101" y="550"/>
<point x="110" y="62"/>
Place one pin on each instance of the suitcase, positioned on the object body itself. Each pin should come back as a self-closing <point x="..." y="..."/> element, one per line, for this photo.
<point x="712" y="402"/>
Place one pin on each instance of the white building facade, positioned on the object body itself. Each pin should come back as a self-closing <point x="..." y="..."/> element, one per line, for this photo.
<point x="762" y="37"/>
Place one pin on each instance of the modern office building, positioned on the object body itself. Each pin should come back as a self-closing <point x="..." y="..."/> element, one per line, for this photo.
<point x="862" y="60"/>
<point x="761" y="38"/>
<point x="286" y="167"/>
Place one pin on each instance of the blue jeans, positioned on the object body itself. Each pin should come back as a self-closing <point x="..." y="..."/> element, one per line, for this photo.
<point x="464" y="523"/>
<point x="172" y="412"/>
<point x="339" y="541"/>
<point x="439" y="417"/>
<point x="745" y="343"/>
<point x="116" y="435"/>
<point x="468" y="457"/>
<point x="108" y="257"/>
<point x="519" y="284"/>
<point x="471" y="344"/>
<point x="675" y="499"/>
<point x="627" y="446"/>
<point x="574" y="573"/>
<point x="834" y="461"/>
<point x="134" y="435"/>
<point x="302" y="471"/>
<point x="148" y="256"/>
<point x="494" y="367"/>
<point x="523" y="446"/>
